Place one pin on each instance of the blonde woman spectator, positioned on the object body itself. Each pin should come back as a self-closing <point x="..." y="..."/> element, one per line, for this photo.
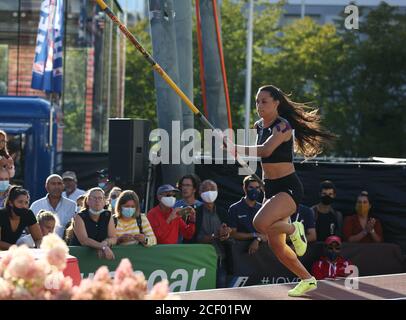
<point x="132" y="225"/>
<point x="47" y="223"/>
<point x="112" y="198"/>
<point x="94" y="226"/>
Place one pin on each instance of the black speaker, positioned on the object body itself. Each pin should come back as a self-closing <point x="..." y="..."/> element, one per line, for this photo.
<point x="128" y="150"/>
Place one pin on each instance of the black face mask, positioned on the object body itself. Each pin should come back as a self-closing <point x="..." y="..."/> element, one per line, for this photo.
<point x="20" y="211"/>
<point x="332" y="255"/>
<point x="253" y="194"/>
<point x="326" y="200"/>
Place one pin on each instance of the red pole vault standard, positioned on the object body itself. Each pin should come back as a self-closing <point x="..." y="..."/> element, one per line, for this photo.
<point x="170" y="82"/>
<point x="223" y="66"/>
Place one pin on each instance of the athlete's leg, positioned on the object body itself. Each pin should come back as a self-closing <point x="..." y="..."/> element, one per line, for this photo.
<point x="272" y="220"/>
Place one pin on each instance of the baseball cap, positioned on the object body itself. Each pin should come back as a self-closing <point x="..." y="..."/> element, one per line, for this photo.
<point x="332" y="239"/>
<point x="166" y="188"/>
<point x="103" y="173"/>
<point x="69" y="175"/>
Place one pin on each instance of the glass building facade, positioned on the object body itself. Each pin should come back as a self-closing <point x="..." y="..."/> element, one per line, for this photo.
<point x="94" y="70"/>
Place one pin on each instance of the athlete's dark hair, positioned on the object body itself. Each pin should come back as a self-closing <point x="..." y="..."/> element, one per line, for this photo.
<point x="309" y="133"/>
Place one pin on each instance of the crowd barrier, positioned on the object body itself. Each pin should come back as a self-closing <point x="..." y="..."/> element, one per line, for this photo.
<point x="193" y="266"/>
<point x="264" y="267"/>
<point x="186" y="267"/>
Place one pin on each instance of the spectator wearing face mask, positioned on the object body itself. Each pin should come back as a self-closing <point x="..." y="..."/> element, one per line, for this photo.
<point x="94" y="226"/>
<point x="104" y="182"/>
<point x="242" y="214"/>
<point x="15" y="217"/>
<point x="165" y="220"/>
<point x="212" y="228"/>
<point x="331" y="265"/>
<point x="112" y="198"/>
<point x="328" y="220"/>
<point x="4" y="186"/>
<point x="132" y="226"/>
<point x="360" y="227"/>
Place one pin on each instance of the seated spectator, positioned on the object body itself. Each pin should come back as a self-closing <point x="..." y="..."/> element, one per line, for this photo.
<point x="112" y="198"/>
<point x="332" y="264"/>
<point x="70" y="181"/>
<point x="165" y="221"/>
<point x="80" y="202"/>
<point x="94" y="226"/>
<point x="305" y="214"/>
<point x="360" y="227"/>
<point x="46" y="221"/>
<point x="62" y="207"/>
<point x="6" y="161"/>
<point x="4" y="186"/>
<point x="328" y="220"/>
<point x="189" y="187"/>
<point x="212" y="228"/>
<point x="15" y="217"/>
<point x="242" y="213"/>
<point x="132" y="225"/>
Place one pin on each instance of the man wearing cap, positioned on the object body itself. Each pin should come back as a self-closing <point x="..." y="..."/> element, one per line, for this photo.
<point x="165" y="221"/>
<point x="70" y="181"/>
<point x="331" y="265"/>
<point x="104" y="182"/>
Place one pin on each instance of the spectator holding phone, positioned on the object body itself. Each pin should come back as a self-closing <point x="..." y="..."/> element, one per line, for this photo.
<point x="165" y="220"/>
<point x="132" y="226"/>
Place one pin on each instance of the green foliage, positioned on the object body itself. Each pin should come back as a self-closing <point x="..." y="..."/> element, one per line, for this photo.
<point x="357" y="78"/>
<point x="140" y="98"/>
<point x="74" y="99"/>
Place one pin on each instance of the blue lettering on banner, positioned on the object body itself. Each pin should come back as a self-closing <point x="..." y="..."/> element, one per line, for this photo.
<point x="47" y="70"/>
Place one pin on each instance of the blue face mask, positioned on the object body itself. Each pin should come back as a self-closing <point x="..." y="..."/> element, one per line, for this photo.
<point x="128" y="212"/>
<point x="253" y="194"/>
<point x="4" y="184"/>
<point x="102" y="185"/>
<point x="113" y="203"/>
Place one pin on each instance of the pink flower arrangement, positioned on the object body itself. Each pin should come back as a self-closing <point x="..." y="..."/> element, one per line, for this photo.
<point x="24" y="277"/>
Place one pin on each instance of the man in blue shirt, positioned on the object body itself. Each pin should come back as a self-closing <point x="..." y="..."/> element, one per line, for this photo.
<point x="243" y="212"/>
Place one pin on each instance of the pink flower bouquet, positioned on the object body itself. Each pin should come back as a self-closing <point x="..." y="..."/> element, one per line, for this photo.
<point x="24" y="277"/>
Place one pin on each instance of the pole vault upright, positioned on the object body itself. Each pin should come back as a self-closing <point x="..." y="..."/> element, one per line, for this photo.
<point x="170" y="82"/>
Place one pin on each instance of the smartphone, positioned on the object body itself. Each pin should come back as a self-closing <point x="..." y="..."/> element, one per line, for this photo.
<point x="184" y="212"/>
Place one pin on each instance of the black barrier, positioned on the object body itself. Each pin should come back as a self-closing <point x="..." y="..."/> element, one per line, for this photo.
<point x="264" y="268"/>
<point x="386" y="184"/>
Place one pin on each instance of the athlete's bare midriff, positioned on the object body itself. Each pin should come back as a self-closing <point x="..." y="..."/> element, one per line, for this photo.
<point x="277" y="170"/>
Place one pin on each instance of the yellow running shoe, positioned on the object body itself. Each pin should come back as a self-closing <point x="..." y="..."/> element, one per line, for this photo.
<point x="298" y="238"/>
<point x="302" y="287"/>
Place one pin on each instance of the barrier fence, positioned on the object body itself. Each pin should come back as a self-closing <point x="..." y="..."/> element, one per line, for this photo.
<point x="193" y="266"/>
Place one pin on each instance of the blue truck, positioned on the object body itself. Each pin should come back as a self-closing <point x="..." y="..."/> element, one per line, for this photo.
<point x="33" y="128"/>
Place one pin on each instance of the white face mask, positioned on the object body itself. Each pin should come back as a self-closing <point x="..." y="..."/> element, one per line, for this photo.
<point x="209" y="196"/>
<point x="96" y="213"/>
<point x="168" y="201"/>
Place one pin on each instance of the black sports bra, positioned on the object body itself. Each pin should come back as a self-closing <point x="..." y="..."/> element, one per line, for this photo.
<point x="284" y="152"/>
